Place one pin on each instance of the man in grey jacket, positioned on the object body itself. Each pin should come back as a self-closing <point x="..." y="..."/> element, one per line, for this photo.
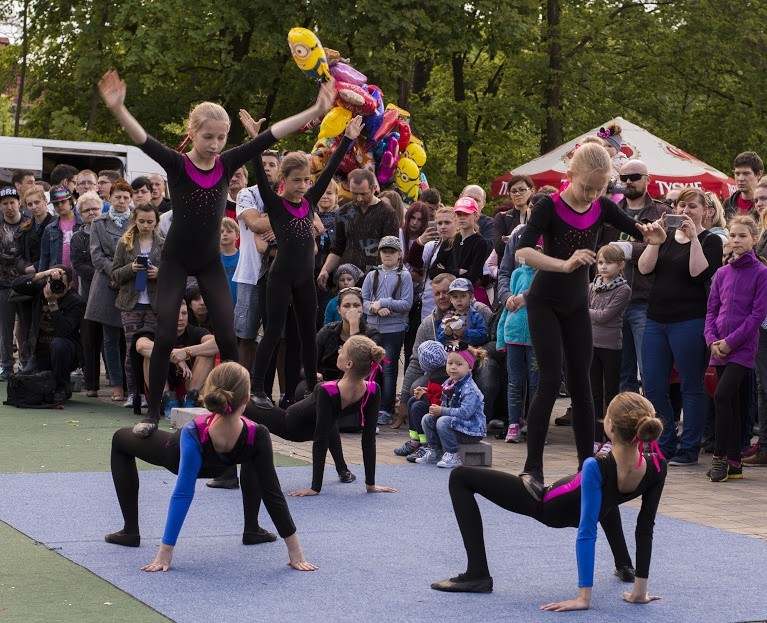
<point x="486" y="377"/>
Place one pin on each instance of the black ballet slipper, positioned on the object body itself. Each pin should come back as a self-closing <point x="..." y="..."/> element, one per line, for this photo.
<point x="261" y="400"/>
<point x="625" y="573"/>
<point x="259" y="536"/>
<point x="121" y="538"/>
<point x="346" y="476"/>
<point x="463" y="584"/>
<point x="533" y="485"/>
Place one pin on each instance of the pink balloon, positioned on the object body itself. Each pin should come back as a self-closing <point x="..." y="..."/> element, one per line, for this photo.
<point x="346" y="73"/>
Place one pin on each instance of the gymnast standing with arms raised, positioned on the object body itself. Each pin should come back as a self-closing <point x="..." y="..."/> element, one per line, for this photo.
<point x="199" y="183"/>
<point x="295" y="223"/>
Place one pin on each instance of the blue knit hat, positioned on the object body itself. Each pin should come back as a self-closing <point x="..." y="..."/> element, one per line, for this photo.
<point x="431" y="356"/>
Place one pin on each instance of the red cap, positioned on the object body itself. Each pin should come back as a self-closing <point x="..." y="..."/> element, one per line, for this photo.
<point x="467" y="205"/>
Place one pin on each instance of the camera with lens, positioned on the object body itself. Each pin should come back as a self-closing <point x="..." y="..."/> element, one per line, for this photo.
<point x="57" y="286"/>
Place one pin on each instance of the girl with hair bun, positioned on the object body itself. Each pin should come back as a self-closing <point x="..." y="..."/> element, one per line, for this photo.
<point x="316" y="417"/>
<point x="627" y="472"/>
<point x="205" y="448"/>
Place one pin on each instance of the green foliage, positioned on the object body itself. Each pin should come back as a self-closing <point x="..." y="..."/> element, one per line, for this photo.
<point x="475" y="76"/>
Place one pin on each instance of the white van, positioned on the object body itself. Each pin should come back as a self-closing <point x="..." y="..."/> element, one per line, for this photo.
<point x="42" y="155"/>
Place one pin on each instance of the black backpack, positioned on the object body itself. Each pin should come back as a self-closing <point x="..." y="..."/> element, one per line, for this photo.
<point x="33" y="390"/>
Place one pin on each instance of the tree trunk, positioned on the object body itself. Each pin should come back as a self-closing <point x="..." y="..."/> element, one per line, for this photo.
<point x="552" y="136"/>
<point x="459" y="95"/>
<point x="95" y="99"/>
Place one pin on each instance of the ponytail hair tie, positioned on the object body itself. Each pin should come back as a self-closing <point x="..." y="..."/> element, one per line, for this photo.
<point x="375" y="368"/>
<point x="180" y="148"/>
<point x="228" y="409"/>
<point x="654" y="452"/>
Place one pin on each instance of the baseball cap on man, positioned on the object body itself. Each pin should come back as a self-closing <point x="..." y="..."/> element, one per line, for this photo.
<point x="9" y="191"/>
<point x="461" y="285"/>
<point x="467" y="205"/>
<point x="390" y="242"/>
<point x="60" y="193"/>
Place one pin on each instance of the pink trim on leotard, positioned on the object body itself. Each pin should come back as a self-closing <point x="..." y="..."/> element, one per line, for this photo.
<point x="575" y="219"/>
<point x="206" y="180"/>
<point x="299" y="212"/>
<point x="563" y="489"/>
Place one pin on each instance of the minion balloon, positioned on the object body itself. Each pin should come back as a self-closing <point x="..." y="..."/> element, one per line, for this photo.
<point x="407" y="178"/>
<point x="308" y="53"/>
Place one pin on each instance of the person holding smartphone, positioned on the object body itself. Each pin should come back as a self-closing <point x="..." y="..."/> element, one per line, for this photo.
<point x="135" y="269"/>
<point x="683" y="260"/>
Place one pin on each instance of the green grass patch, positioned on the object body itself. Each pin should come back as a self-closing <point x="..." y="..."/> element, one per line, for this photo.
<point x="37" y="584"/>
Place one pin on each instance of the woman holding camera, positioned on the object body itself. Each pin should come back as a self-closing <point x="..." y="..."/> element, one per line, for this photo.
<point x="135" y="268"/>
<point x="683" y="256"/>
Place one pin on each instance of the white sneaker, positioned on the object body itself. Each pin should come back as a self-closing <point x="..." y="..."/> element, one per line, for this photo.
<point x="431" y="456"/>
<point x="128" y="403"/>
<point x="605" y="449"/>
<point x="450" y="460"/>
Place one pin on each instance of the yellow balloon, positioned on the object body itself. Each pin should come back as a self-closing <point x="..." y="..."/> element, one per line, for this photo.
<point x="416" y="153"/>
<point x="407" y="177"/>
<point x="308" y="53"/>
<point x="335" y="122"/>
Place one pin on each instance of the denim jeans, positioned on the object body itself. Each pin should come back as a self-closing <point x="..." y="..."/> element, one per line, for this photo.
<point x="392" y="344"/>
<point x="682" y="343"/>
<point x="761" y="381"/>
<point x="416" y="409"/>
<point x="634" y="320"/>
<point x="112" y="358"/>
<point x="522" y="369"/>
<point x="442" y="436"/>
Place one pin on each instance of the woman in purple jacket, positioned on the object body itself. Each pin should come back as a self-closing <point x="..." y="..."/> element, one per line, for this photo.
<point x="737" y="306"/>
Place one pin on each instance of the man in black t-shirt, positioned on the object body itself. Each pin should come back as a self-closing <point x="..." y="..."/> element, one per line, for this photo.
<point x="192" y="358"/>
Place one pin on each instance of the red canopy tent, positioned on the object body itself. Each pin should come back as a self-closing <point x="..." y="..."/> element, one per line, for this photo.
<point x="669" y="166"/>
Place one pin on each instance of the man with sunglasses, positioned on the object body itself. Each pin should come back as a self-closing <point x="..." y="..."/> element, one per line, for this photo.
<point x="639" y="205"/>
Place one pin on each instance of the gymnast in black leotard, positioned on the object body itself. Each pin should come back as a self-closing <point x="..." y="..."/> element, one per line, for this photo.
<point x="202" y="448"/>
<point x="199" y="184"/>
<point x="557" y="304"/>
<point x="316" y="417"/>
<point x="578" y="501"/>
<point x="295" y="223"/>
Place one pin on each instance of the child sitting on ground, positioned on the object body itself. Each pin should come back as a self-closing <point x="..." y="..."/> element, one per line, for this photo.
<point x="347" y="276"/>
<point x="460" y="418"/>
<point x="462" y="321"/>
<point x="432" y="358"/>
<point x="521" y="366"/>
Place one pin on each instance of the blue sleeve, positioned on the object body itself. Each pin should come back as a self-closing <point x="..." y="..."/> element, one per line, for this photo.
<point x="470" y="405"/>
<point x="331" y="311"/>
<point x="189" y="468"/>
<point x="367" y="292"/>
<point x="476" y="332"/>
<point x="591" y="502"/>
<point x="505" y="272"/>
<point x="440" y="333"/>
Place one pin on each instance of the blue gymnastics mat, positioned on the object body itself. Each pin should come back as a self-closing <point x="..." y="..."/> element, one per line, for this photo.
<point x="377" y="553"/>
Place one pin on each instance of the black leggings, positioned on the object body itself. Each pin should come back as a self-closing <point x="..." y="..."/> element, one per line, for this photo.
<point x="605" y="384"/>
<point x="556" y="330"/>
<point x="171" y="284"/>
<point x="279" y="290"/>
<point x="508" y="492"/>
<point x="298" y="423"/>
<point x="259" y="478"/>
<point x="731" y="402"/>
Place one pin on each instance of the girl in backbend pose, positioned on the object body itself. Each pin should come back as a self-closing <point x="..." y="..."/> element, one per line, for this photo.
<point x="295" y="223"/>
<point x="199" y="185"/>
<point x="205" y="447"/>
<point x="578" y="501"/>
<point x="558" y="305"/>
<point x="316" y="417"/>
